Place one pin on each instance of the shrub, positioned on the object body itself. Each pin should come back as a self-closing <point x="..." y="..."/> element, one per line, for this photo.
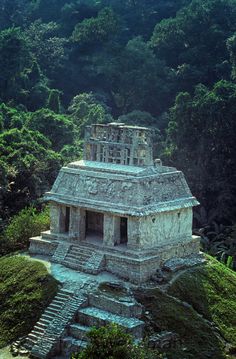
<point x="111" y="342"/>
<point x="27" y="223"/>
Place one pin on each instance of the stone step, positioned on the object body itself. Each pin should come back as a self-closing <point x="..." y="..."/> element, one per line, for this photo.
<point x="65" y="291"/>
<point x="38" y="328"/>
<point x="78" y="255"/>
<point x="71" y="345"/>
<point x="41" y="325"/>
<point x="72" y="256"/>
<point x="55" y="306"/>
<point x="58" y="301"/>
<point x="82" y="250"/>
<point x="76" y="260"/>
<point x="73" y="260"/>
<point x="51" y="312"/>
<point x="44" y="321"/>
<point x="77" y="266"/>
<point x="78" y="331"/>
<point x="61" y="297"/>
<point x="47" y="316"/>
<point x="33" y="337"/>
<point x="124" y="306"/>
<point x="96" y="317"/>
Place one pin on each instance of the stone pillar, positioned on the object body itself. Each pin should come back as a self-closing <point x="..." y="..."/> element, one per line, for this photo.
<point x="98" y="154"/>
<point x="111" y="230"/>
<point x="116" y="224"/>
<point x="106" y="152"/>
<point x="62" y="218"/>
<point x="77" y="223"/>
<point x="74" y="222"/>
<point x="123" y="159"/>
<point x="54" y="218"/>
<point x="82" y="224"/>
<point x="134" y="234"/>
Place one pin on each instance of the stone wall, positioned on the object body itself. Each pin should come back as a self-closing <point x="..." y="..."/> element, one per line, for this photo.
<point x="76" y="221"/>
<point x="165" y="228"/>
<point x="117" y="143"/>
<point x="140" y="270"/>
<point x="42" y="246"/>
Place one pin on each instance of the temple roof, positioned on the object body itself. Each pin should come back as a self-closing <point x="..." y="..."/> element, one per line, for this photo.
<point x="120" y="189"/>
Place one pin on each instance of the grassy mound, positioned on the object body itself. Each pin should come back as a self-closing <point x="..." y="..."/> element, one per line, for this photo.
<point x="26" y="288"/>
<point x="200" y="307"/>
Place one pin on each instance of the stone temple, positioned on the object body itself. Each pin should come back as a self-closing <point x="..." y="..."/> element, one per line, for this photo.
<point x="118" y="210"/>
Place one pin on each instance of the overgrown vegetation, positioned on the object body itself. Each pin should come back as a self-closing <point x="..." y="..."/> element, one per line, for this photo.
<point x="166" y="64"/>
<point x="69" y="63"/>
<point x="26" y="289"/>
<point x="24" y="225"/>
<point x="199" y="307"/>
<point x="219" y="241"/>
<point x="112" y="342"/>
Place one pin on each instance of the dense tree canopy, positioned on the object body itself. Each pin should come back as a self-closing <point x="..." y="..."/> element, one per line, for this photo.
<point x="205" y="123"/>
<point x="167" y="64"/>
<point x="31" y="167"/>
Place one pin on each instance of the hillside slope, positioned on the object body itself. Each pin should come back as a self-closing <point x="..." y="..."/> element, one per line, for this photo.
<point x="26" y="288"/>
<point x="199" y="306"/>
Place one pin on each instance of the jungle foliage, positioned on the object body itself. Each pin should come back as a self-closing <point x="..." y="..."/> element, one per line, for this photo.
<point x="166" y="64"/>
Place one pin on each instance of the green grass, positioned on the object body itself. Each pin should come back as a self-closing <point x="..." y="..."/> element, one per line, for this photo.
<point x="210" y="291"/>
<point x="26" y="288"/>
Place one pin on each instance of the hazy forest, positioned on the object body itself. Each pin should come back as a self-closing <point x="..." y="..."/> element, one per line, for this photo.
<point x="167" y="64"/>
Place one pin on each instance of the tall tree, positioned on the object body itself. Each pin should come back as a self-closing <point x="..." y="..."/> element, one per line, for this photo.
<point x="197" y="37"/>
<point x="14" y="57"/>
<point x="201" y="141"/>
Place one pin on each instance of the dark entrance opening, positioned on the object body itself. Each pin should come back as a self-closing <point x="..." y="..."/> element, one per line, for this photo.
<point x="67" y="219"/>
<point x="94" y="224"/>
<point x="123" y="230"/>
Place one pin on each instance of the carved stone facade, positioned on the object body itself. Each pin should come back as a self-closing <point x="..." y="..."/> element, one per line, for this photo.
<point x="121" y="203"/>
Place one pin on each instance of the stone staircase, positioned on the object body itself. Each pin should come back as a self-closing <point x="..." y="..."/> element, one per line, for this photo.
<point x="102" y="309"/>
<point x="47" y="317"/>
<point x="44" y="340"/>
<point x="60" y="253"/>
<point x="84" y="259"/>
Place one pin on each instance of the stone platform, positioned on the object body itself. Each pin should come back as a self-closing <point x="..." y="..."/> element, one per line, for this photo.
<point x="92" y="257"/>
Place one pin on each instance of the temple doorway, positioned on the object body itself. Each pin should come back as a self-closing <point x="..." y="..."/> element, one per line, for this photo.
<point x="94" y="225"/>
<point x="67" y="220"/>
<point x="123" y="230"/>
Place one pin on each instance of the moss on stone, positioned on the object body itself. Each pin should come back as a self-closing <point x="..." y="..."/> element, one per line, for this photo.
<point x="26" y="288"/>
<point x="200" y="307"/>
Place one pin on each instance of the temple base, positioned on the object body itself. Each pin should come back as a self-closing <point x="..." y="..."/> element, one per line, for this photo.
<point x="91" y="257"/>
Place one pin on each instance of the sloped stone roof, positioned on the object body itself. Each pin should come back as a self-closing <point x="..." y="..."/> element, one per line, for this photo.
<point x="119" y="189"/>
